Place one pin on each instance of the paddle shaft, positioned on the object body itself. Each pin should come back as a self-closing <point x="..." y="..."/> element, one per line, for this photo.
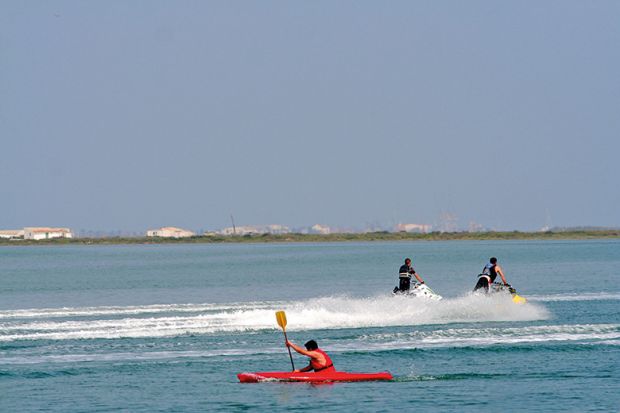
<point x="289" y="349"/>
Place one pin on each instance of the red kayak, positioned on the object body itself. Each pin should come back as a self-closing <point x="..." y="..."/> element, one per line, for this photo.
<point x="312" y="377"/>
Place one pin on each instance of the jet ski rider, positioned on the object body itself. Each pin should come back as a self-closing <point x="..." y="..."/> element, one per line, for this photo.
<point x="319" y="360"/>
<point x="489" y="273"/>
<point x="404" y="276"/>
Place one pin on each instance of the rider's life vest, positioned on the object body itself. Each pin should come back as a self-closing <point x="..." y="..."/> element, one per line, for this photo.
<point x="316" y="366"/>
<point x="405" y="271"/>
<point x="489" y="270"/>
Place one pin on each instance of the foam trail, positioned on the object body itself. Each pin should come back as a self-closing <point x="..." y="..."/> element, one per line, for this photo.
<point x="320" y="313"/>
<point x="380" y="311"/>
<point x="128" y="310"/>
<point x="198" y="308"/>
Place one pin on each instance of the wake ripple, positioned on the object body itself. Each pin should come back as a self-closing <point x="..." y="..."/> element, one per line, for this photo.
<point x="608" y="334"/>
<point x="580" y="334"/>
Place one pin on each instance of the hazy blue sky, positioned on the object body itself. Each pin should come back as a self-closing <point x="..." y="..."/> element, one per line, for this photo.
<point x="136" y="114"/>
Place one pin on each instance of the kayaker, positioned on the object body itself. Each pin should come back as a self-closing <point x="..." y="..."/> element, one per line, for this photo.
<point x="319" y="360"/>
<point x="404" y="275"/>
<point x="489" y="273"/>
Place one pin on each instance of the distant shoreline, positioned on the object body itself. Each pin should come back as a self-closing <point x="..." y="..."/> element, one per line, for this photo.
<point x="295" y="238"/>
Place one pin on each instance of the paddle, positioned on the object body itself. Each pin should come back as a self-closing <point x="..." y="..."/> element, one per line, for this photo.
<point x="281" y="317"/>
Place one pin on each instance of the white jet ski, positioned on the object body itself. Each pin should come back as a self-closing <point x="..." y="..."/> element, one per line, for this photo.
<point x="418" y="290"/>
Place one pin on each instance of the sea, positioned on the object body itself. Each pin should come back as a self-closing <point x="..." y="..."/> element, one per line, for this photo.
<point x="167" y="328"/>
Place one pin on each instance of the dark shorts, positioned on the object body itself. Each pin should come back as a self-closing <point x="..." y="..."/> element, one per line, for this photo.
<point x="404" y="283"/>
<point x="483" y="282"/>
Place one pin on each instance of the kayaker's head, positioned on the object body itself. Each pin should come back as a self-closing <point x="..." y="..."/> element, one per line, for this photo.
<point x="407" y="261"/>
<point x="311" y="345"/>
<point x="493" y="260"/>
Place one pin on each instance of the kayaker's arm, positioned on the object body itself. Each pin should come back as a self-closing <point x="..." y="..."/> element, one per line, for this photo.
<point x="312" y="354"/>
<point x="301" y="350"/>
<point x="307" y="368"/>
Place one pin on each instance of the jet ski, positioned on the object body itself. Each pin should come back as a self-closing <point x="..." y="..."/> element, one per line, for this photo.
<point x="418" y="290"/>
<point x="498" y="288"/>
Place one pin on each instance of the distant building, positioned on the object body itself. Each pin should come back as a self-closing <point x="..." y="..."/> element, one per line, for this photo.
<point x="169" y="232"/>
<point x="420" y="228"/>
<point x="475" y="227"/>
<point x="448" y="222"/>
<point x="244" y="230"/>
<point x="277" y="229"/>
<point x="256" y="230"/>
<point x="320" y="229"/>
<point x="12" y="233"/>
<point x="39" y="233"/>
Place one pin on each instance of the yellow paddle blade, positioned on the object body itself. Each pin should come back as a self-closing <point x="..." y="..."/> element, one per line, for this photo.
<point x="518" y="299"/>
<point x="281" y="317"/>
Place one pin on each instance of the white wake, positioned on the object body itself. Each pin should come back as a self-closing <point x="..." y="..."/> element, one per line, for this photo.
<point x="196" y="319"/>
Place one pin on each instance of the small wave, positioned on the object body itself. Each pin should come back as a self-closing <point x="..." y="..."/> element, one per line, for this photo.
<point x="600" y="296"/>
<point x="321" y="313"/>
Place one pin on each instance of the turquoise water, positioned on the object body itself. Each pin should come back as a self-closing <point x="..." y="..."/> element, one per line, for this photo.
<point x="167" y="327"/>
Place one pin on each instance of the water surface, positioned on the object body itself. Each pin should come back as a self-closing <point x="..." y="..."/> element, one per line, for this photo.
<point x="167" y="327"/>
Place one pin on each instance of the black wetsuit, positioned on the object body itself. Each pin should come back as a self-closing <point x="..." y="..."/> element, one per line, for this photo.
<point x="488" y="276"/>
<point x="404" y="277"/>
